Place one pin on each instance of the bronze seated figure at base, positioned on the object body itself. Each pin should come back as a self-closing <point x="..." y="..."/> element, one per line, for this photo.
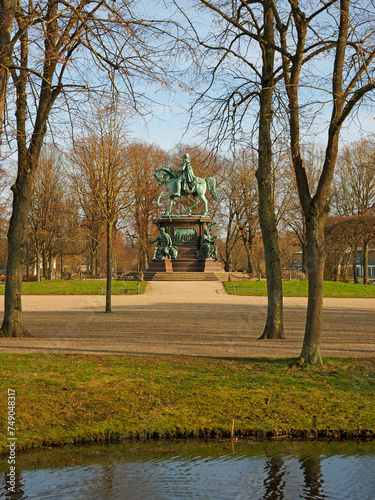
<point x="164" y="248"/>
<point x="208" y="249"/>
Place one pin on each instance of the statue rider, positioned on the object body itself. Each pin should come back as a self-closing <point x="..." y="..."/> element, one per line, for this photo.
<point x="186" y="180"/>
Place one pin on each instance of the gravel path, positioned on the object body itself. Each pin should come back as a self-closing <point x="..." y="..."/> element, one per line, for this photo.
<point x="188" y="318"/>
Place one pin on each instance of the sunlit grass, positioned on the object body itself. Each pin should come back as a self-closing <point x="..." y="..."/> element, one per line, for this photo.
<point x="299" y="288"/>
<point x="63" y="398"/>
<point x="77" y="287"/>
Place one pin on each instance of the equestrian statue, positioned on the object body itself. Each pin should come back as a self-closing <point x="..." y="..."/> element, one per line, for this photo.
<point x="184" y="182"/>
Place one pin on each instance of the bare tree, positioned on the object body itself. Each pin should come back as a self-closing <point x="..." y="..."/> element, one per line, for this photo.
<point x="242" y="192"/>
<point x="354" y="189"/>
<point x="347" y="42"/>
<point x="46" y="208"/>
<point x="55" y="51"/>
<point x="86" y="213"/>
<point x="292" y="216"/>
<point x="101" y="159"/>
<point x="230" y="226"/>
<point x="342" y="237"/>
<point x="354" y="181"/>
<point x="144" y="160"/>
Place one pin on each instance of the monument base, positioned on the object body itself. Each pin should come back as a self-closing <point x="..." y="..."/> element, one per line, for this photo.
<point x="186" y="233"/>
<point x="159" y="266"/>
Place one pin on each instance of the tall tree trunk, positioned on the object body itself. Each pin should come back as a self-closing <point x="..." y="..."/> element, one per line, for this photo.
<point x="365" y="261"/>
<point x="274" y="323"/>
<point x="146" y="260"/>
<point x="247" y="243"/>
<point x="61" y="260"/>
<point x="44" y="260"/>
<point x="93" y="257"/>
<point x="13" y="325"/>
<point x="303" y="266"/>
<point x="355" y="271"/>
<point x="7" y="10"/>
<point x="336" y="272"/>
<point x="346" y="259"/>
<point x="145" y="252"/>
<point x="250" y="265"/>
<point x="108" y="297"/>
<point x="50" y="264"/>
<point x="27" y="262"/>
<point x="315" y="257"/>
<point x="315" y="208"/>
<point x="28" y="148"/>
<point x="28" y="158"/>
<point x="228" y="262"/>
<point x="96" y="264"/>
<point x="37" y="259"/>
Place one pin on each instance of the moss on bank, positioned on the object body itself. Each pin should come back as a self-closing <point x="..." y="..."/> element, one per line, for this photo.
<point x="63" y="398"/>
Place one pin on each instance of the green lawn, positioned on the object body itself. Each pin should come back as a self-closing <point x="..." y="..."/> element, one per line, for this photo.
<point x="69" y="398"/>
<point x="298" y="288"/>
<point x="294" y="288"/>
<point x="77" y="287"/>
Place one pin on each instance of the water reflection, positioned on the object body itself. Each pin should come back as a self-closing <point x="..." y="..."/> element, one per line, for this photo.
<point x="274" y="483"/>
<point x="185" y="470"/>
<point x="313" y="477"/>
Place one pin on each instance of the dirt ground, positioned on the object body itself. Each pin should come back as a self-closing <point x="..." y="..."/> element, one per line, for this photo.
<point x="189" y="318"/>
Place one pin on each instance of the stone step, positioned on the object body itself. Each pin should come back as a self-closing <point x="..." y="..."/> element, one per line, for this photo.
<point x="185" y="276"/>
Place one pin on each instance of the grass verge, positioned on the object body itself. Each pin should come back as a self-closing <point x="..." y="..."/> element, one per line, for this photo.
<point x="298" y="288"/>
<point x="73" y="399"/>
<point x="77" y="287"/>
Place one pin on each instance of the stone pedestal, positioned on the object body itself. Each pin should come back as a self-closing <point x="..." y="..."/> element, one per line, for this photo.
<point x="161" y="266"/>
<point x="186" y="233"/>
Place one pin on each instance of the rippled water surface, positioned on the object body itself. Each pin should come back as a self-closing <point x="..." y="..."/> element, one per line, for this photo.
<point x="196" y="470"/>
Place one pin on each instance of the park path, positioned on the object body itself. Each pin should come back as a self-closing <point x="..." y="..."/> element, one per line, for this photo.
<point x="188" y="318"/>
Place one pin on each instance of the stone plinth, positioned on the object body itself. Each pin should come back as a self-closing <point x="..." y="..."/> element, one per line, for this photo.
<point x="186" y="233"/>
<point x="162" y="266"/>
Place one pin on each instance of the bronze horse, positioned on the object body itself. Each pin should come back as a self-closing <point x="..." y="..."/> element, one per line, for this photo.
<point x="168" y="176"/>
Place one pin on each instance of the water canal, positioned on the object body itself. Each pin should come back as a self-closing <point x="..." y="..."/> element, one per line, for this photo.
<point x="157" y="470"/>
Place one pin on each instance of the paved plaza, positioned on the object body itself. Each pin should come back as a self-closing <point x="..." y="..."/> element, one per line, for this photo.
<point x="188" y="318"/>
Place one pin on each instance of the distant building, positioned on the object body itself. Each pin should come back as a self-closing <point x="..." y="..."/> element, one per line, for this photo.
<point x="371" y="264"/>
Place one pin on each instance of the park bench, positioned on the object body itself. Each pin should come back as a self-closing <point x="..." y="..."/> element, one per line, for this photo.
<point x="125" y="288"/>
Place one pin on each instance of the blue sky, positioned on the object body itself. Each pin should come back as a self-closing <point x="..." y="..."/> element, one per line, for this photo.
<point x="167" y="126"/>
<point x="165" y="129"/>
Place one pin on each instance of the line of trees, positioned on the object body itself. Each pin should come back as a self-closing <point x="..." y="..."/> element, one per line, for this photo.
<point x="72" y="192"/>
<point x="67" y="221"/>
<point x="103" y="187"/>
<point x="68" y="216"/>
